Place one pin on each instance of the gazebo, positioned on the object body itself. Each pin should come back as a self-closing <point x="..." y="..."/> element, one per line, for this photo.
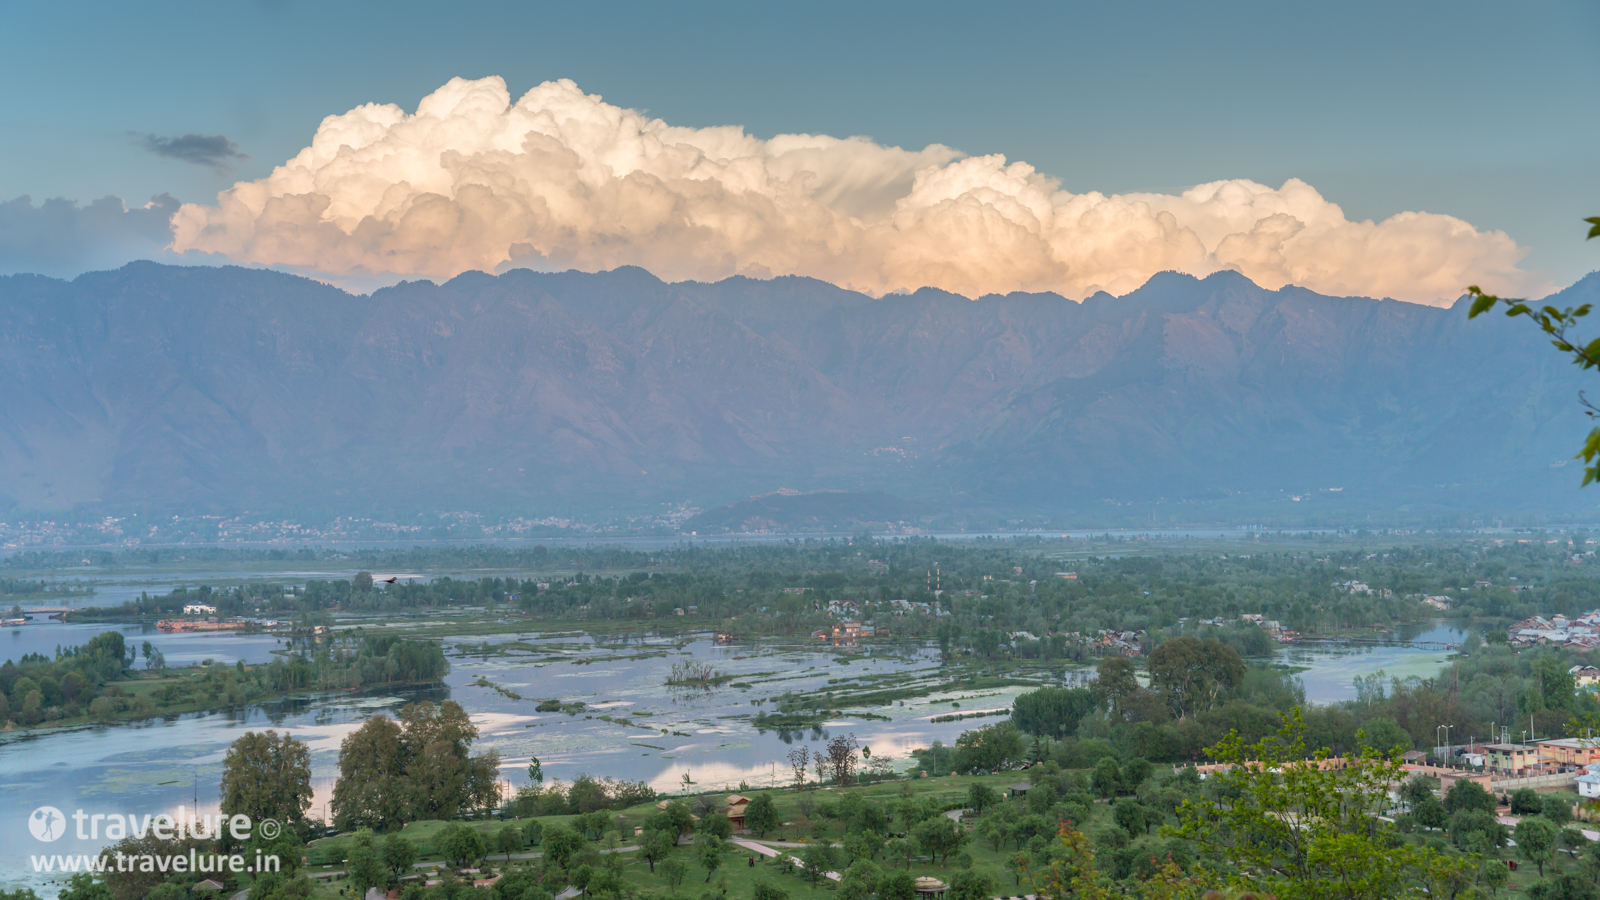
<point x="1019" y="790"/>
<point x="928" y="886"/>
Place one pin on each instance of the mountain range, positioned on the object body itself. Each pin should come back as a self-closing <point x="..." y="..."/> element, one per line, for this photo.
<point x="230" y="390"/>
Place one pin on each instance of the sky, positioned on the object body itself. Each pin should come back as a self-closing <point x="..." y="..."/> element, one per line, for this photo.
<point x="1306" y="120"/>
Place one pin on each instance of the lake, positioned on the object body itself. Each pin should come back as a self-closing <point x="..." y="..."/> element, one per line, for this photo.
<point x="156" y="766"/>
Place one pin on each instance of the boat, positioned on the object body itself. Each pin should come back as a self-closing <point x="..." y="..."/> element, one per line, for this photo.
<point x="7" y="623"/>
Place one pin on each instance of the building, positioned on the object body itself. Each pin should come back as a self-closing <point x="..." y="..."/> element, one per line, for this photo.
<point x="1570" y="751"/>
<point x="1512" y="759"/>
<point x="1584" y="676"/>
<point x="736" y="807"/>
<point x="1589" y="785"/>
<point x="199" y="609"/>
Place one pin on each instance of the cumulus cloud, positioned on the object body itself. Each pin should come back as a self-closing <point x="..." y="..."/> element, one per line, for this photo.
<point x="559" y="179"/>
<point x="62" y="239"/>
<point x="214" y="151"/>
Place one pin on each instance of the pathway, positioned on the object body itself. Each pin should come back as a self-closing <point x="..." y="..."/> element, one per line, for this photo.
<point x="772" y="853"/>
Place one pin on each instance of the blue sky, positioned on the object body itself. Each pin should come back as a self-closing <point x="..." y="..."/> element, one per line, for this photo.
<point x="1482" y="111"/>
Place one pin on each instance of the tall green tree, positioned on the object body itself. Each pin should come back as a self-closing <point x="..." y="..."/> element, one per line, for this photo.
<point x="1191" y="673"/>
<point x="399" y="855"/>
<point x="364" y="863"/>
<point x="1536" y="840"/>
<point x="461" y="844"/>
<point x="761" y="815"/>
<point x="710" y="853"/>
<point x="421" y="767"/>
<point x="371" y="790"/>
<point x="980" y="796"/>
<point x="267" y="775"/>
<point x="818" y="860"/>
<point x="656" y="845"/>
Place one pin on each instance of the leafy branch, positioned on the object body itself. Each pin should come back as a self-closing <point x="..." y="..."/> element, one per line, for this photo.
<point x="1559" y="324"/>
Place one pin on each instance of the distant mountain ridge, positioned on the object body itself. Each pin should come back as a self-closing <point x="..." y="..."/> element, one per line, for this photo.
<point x="227" y="389"/>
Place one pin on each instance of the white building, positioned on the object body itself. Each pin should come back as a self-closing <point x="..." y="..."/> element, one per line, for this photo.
<point x="199" y="609"/>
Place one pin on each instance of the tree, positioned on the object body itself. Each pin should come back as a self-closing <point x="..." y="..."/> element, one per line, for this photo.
<point x="267" y="776"/>
<point x="533" y="832"/>
<point x="818" y="859"/>
<point x="761" y="815"/>
<point x="1430" y="813"/>
<point x="674" y="871"/>
<point x="362" y="583"/>
<point x="899" y="848"/>
<point x="1556" y="809"/>
<point x="799" y="761"/>
<point x="399" y="855"/>
<point x="1132" y="817"/>
<point x="674" y="817"/>
<point x="655" y="845"/>
<point x="1135" y="773"/>
<point x="518" y="883"/>
<point x="1384" y="735"/>
<point x="364" y="865"/>
<point x="1526" y="802"/>
<point x="1415" y="789"/>
<point x="1536" y="840"/>
<point x="1114" y="681"/>
<point x="980" y="797"/>
<point x="461" y="844"/>
<point x="710" y="854"/>
<point x="1564" y="886"/>
<point x="560" y="843"/>
<point x="715" y="825"/>
<point x="1309" y="831"/>
<point x="1073" y="875"/>
<point x="1052" y="711"/>
<point x="370" y="789"/>
<point x="1495" y="875"/>
<point x="897" y="886"/>
<point x="1466" y="794"/>
<point x="992" y="748"/>
<point x="442" y="776"/>
<point x="535" y="770"/>
<point x="939" y="837"/>
<point x="1191" y="673"/>
<point x="842" y="758"/>
<point x="1018" y="863"/>
<point x="967" y="884"/>
<point x="1106" y="777"/>
<point x="508" y="840"/>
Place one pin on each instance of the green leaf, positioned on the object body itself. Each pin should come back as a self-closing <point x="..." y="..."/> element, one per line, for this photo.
<point x="1594" y="226"/>
<point x="1481" y="305"/>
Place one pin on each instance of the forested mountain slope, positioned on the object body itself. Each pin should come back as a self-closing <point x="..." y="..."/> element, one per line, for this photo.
<point x="227" y="389"/>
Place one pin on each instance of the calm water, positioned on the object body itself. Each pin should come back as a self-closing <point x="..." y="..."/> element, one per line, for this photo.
<point x="1331" y="672"/>
<point x="156" y="766"/>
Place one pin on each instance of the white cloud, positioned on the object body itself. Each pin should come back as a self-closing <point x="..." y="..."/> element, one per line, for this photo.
<point x="560" y="179"/>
